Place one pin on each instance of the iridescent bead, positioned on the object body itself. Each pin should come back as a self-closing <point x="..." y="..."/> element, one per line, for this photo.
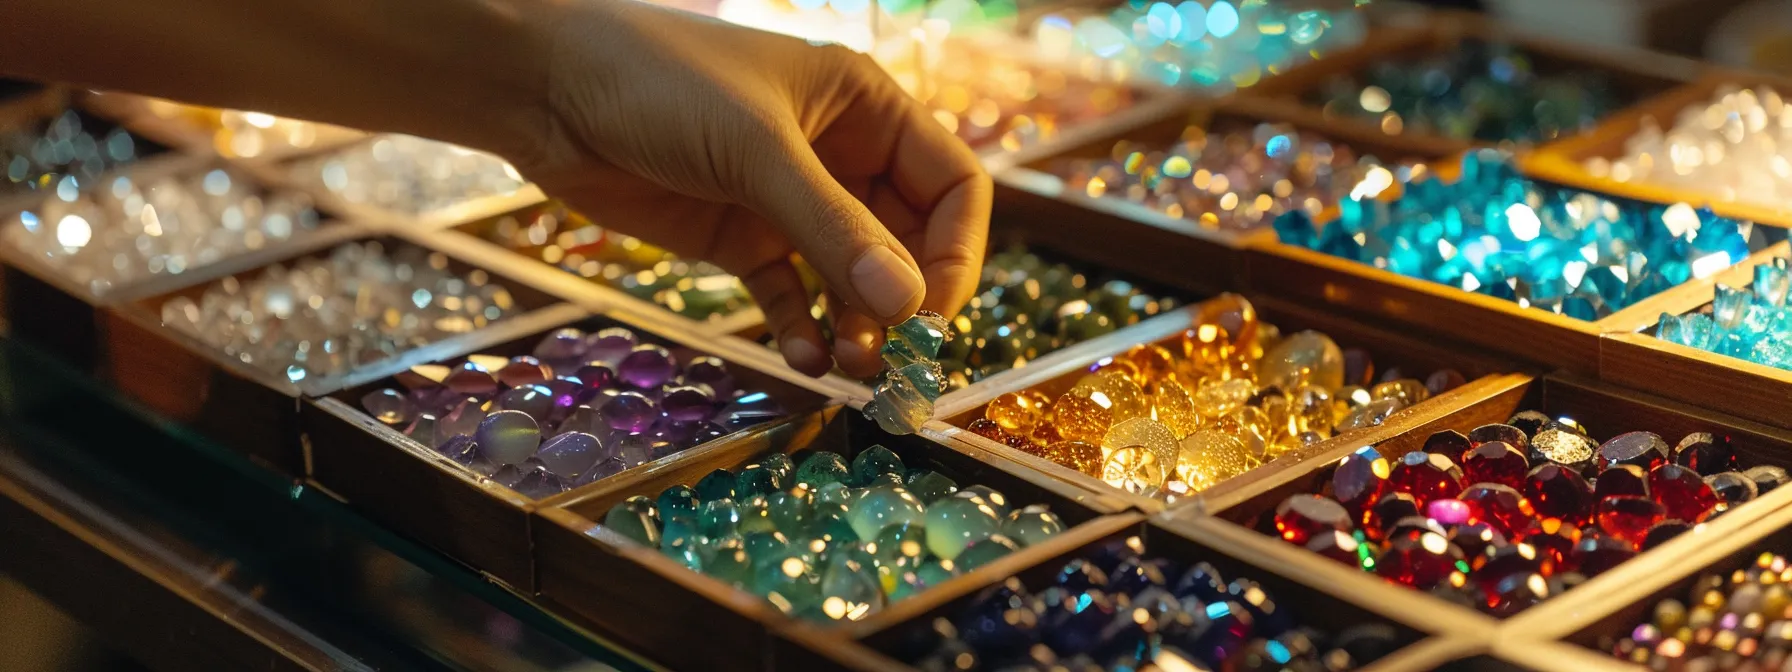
<point x="630" y="412"/>
<point x="508" y="437"/>
<point x="955" y="522"/>
<point x="570" y="454"/>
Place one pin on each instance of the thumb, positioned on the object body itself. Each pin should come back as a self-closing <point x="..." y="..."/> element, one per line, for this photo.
<point x="863" y="264"/>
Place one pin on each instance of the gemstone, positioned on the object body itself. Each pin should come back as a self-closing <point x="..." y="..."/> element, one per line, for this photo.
<point x="595" y="375"/>
<point x="508" y="437"/>
<point x="463" y="417"/>
<point x="1732" y="488"/>
<point x="1641" y="449"/>
<point x="1426" y="476"/>
<point x="647" y="366"/>
<point x="1507" y="434"/>
<point x="1662" y="532"/>
<point x="561" y="345"/>
<point x="881" y="506"/>
<point x="718" y="484"/>
<point x="1338" y="546"/>
<point x="1705" y="453"/>
<point x="1202" y="582"/>
<point x="463" y="449"/>
<point x="755" y="479"/>
<point x="1444" y="380"/>
<point x="1476" y="538"/>
<point x="636" y="518"/>
<point x="876" y="460"/>
<point x="1568" y="449"/>
<point x="929" y="485"/>
<point x="630" y="412"/>
<point x="1391" y="508"/>
<point x="956" y="522"/>
<point x="1530" y="422"/>
<point x="540" y="484"/>
<point x="822" y="468"/>
<point x="788" y="580"/>
<point x="1514" y="592"/>
<point x="1597" y="553"/>
<point x="535" y="400"/>
<point x="1623" y="479"/>
<point x="570" y="454"/>
<point x="1421" y="561"/>
<point x="389" y="406"/>
<point x="1449" y="512"/>
<point x="1301" y="517"/>
<point x="1081" y="456"/>
<point x="1448" y="443"/>
<point x="1767" y="477"/>
<point x="1134" y="575"/>
<point x="678" y="503"/>
<point x="1015" y="412"/>
<point x="719" y="518"/>
<point x="1135" y="470"/>
<point x="985" y="551"/>
<point x="996" y="500"/>
<point x="685" y="403"/>
<point x="1145" y="433"/>
<point x="1360" y="480"/>
<point x="1628" y="517"/>
<point x="1415" y="526"/>
<point x="1495" y="462"/>
<point x="1073" y="626"/>
<point x="1079" y="575"/>
<point x="1032" y="525"/>
<point x="471" y="378"/>
<point x="608" y="346"/>
<point x="1301" y="358"/>
<point x="1555" y="537"/>
<point x="1682" y="492"/>
<point x="1079" y="418"/>
<point x="524" y="370"/>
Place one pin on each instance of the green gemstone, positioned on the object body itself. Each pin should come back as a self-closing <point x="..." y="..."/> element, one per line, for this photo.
<point x="935" y="571"/>
<point x="637" y="519"/>
<point x="821" y="469"/>
<point x="919" y="335"/>
<point x="719" y="518"/>
<point x="829" y="523"/>
<point x="927" y="378"/>
<point x="681" y="542"/>
<point x="984" y="552"/>
<point x="883" y="479"/>
<point x="906" y="586"/>
<point x="731" y="565"/>
<point x="874" y="461"/>
<point x="755" y="480"/>
<point x="850" y="589"/>
<point x="763" y="546"/>
<point x="781" y="465"/>
<point x="882" y="506"/>
<point x="789" y="581"/>
<point x="834" y="493"/>
<point x="1031" y="525"/>
<point x="791" y="511"/>
<point x="930" y="485"/>
<point x="678" y="502"/>
<point x="719" y="484"/>
<point x="899" y="548"/>
<point x="955" y="522"/>
<point x="756" y="516"/>
<point x="996" y="500"/>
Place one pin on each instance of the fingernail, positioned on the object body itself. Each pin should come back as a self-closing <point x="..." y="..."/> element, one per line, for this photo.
<point x="885" y="282"/>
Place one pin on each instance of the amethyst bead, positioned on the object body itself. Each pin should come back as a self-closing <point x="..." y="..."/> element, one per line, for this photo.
<point x="595" y="375"/>
<point x="648" y="366"/>
<point x="536" y="400"/>
<point x="687" y="404"/>
<point x="630" y="412"/>
<point x="712" y="372"/>
<point x="610" y="345"/>
<point x="570" y="454"/>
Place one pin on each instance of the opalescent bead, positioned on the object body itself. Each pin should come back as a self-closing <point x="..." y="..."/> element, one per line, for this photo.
<point x="956" y="522"/>
<point x="882" y="506"/>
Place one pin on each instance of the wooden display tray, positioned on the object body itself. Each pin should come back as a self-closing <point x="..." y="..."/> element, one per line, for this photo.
<point x="630" y="593"/>
<point x="413" y="488"/>
<point x="245" y="408"/>
<point x="1604" y="409"/>
<point x="1565" y="160"/>
<point x="1390" y="350"/>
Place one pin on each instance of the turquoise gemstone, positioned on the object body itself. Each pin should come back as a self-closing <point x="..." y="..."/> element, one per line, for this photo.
<point x="756" y="516"/>
<point x="850" y="589"/>
<point x="788" y="581"/>
<point x="755" y="480"/>
<point x="678" y="502"/>
<point x="681" y="542"/>
<point x="930" y="485"/>
<point x="881" y="507"/>
<point x="921" y="335"/>
<point x="876" y="460"/>
<point x="1031" y="525"/>
<point x="821" y="469"/>
<point x="935" y="571"/>
<point x="790" y="511"/>
<point x="984" y="552"/>
<point x="763" y="546"/>
<point x="834" y="493"/>
<point x="731" y="565"/>
<point x="780" y="465"/>
<point x="719" y="484"/>
<point x="883" y="479"/>
<point x="719" y="518"/>
<point x="899" y="548"/>
<point x="955" y="522"/>
<point x="995" y="499"/>
<point x="637" y="519"/>
<point x="829" y="523"/>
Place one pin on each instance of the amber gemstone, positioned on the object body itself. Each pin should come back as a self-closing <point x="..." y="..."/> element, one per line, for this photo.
<point x="1499" y="505"/>
<point x="988" y="429"/>
<point x="1420" y="561"/>
<point x="1514" y="593"/>
<point x="1705" y="453"/>
<point x="1642" y="449"/>
<point x="1475" y="538"/>
<point x="1508" y="434"/>
<point x="1302" y="517"/>
<point x="1360" y="480"/>
<point x="1732" y="487"/>
<point x="1662" y="532"/>
<point x="1530" y="422"/>
<point x="1623" y="479"/>
<point x="1553" y="536"/>
<point x="1557" y="491"/>
<point x="1681" y="491"/>
<point x="1597" y="553"/>
<point x="1426" y="476"/>
<point x="1571" y="450"/>
<point x="1629" y="517"/>
<point x="1449" y="442"/>
<point x="1339" y="546"/>
<point x="1391" y="508"/>
<point x="1495" y="462"/>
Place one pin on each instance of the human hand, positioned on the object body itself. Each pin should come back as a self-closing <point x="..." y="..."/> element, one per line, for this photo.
<point x="742" y="147"/>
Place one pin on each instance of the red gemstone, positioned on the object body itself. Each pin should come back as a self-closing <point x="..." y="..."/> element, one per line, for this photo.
<point x="1642" y="449"/>
<point x="1500" y="506"/>
<point x="1629" y="517"/>
<point x="1705" y="453"/>
<point x="1553" y="536"/>
<point x="1426" y="476"/>
<point x="1556" y="491"/>
<point x="1339" y="546"/>
<point x="1514" y="593"/>
<point x="1391" y="508"/>
<point x="1680" y="490"/>
<point x="1597" y="553"/>
<point x="1415" y="526"/>
<point x="1301" y="517"/>
<point x="1662" y="532"/>
<point x="1498" y="562"/>
<point x="1623" y="479"/>
<point x="1449" y="443"/>
<point x="1420" y="561"/>
<point x="1495" y="462"/>
<point x="1360" y="480"/>
<point x="1506" y="434"/>
<point x="988" y="429"/>
<point x="1475" y="538"/>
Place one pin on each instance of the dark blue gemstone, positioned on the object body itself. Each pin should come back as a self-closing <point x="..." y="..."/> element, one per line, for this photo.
<point x="1202" y="582"/>
<point x="1079" y="575"/>
<point x="1134" y="575"/>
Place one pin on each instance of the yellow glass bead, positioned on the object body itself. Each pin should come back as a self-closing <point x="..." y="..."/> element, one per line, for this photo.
<point x="1406" y="390"/>
<point x="1117" y="391"/>
<point x="1080" y="418"/>
<point x="1210" y="456"/>
<point x="1219" y="398"/>
<point x="1248" y="424"/>
<point x="1173" y="406"/>
<point x="1143" y="432"/>
<point x="1015" y="412"/>
<point x="1232" y="313"/>
<point x="1153" y="363"/>
<point x="1116" y="364"/>
<point x="1079" y="455"/>
<point x="1135" y="470"/>
<point x="1045" y="434"/>
<point x="1305" y="357"/>
<point x="1278" y="417"/>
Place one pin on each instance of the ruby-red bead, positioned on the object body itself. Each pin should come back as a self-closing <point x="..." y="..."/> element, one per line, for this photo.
<point x="1426" y="476"/>
<point x="1629" y="517"/>
<point x="1663" y="532"/>
<point x="1420" y="561"/>
<point x="1339" y="546"/>
<point x="1391" y="508"/>
<point x="1500" y="506"/>
<point x="1514" y="593"/>
<point x="1705" y="453"/>
<point x="1499" y="562"/>
<point x="1360" y="480"/>
<point x="1622" y="479"/>
<point x="1495" y="462"/>
<point x="1415" y="526"/>
<point x="1642" y="449"/>
<point x="1553" y="536"/>
<point x="1506" y="434"/>
<point x="1596" y="553"/>
<point x="1476" y="538"/>
<point x="1557" y="491"/>
<point x="1302" y="517"/>
<point x="1680" y="490"/>
<point x="1449" y="443"/>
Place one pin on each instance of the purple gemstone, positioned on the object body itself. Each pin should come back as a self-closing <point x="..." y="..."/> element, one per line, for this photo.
<point x="604" y="469"/>
<point x="712" y="372"/>
<point x="508" y="437"/>
<point x="461" y="448"/>
<point x="676" y="433"/>
<point x="562" y="345"/>
<point x="471" y="378"/>
<point x="434" y="400"/>
<point x="707" y="432"/>
<point x="536" y="400"/>
<point x="748" y="410"/>
<point x="523" y="371"/>
<point x="478" y="463"/>
<point x="630" y="412"/>
<point x="389" y="406"/>
<point x="570" y="454"/>
<point x="463" y="417"/>
<point x="688" y="404"/>
<point x="538" y="484"/>
<point x="610" y="345"/>
<point x="648" y="366"/>
<point x="595" y="375"/>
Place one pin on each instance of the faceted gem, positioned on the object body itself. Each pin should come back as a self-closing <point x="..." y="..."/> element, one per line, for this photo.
<point x="636" y="518"/>
<point x="1426" y="476"/>
<point x="881" y="506"/>
<point x="985" y="551"/>
<point x="1507" y="434"/>
<point x="1767" y="477"/>
<point x="1134" y="575"/>
<point x="917" y="338"/>
<point x="1553" y="536"/>
<point x="1391" y="508"/>
<point x="822" y="468"/>
<point x="1448" y="443"/>
<point x="1015" y="412"/>
<point x="630" y="412"/>
<point x="1530" y="422"/>
<point x="929" y="485"/>
<point x="1415" y="526"/>
<point x="1682" y="492"/>
<point x="570" y="454"/>
<point x="1079" y="575"/>
<point x="1514" y="592"/>
<point x="956" y="522"/>
<point x="1496" y="563"/>
<point x="1475" y="538"/>
<point x="1073" y="625"/>
<point x="1301" y="517"/>
<point x="1662" y="532"/>
<point x="1338" y="546"/>
<point x="1641" y="449"/>
<point x="1597" y="553"/>
<point x="1449" y="512"/>
<point x="1629" y="517"/>
<point x="1495" y="462"/>
<point x="1421" y="561"/>
<point x="1623" y="479"/>
<point x="1705" y="453"/>
<point x="1567" y="449"/>
<point x="1135" y="470"/>
<point x="1360" y="480"/>
<point x="678" y="502"/>
<point x="719" y="484"/>
<point x="876" y="460"/>
<point x="1031" y="525"/>
<point x="389" y="406"/>
<point x="1732" y="488"/>
<point x="508" y="437"/>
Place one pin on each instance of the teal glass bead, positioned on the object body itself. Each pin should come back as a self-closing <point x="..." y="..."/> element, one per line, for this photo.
<point x="756" y="516"/>
<point x="903" y="399"/>
<point x="834" y="493"/>
<point x="789" y="581"/>
<point x="996" y="500"/>
<point x="899" y="548"/>
<point x="679" y="540"/>
<point x="876" y="460"/>
<point x="935" y="571"/>
<point x="821" y="469"/>
<point x="678" y="502"/>
<point x="829" y="523"/>
<point x="907" y="585"/>
<point x="955" y="522"/>
<point x="850" y="589"/>
<point x="719" y="484"/>
<point x="929" y="485"/>
<point x="790" y="511"/>
<point x="731" y="565"/>
<point x="885" y="478"/>
<point x="898" y="405"/>
<point x="927" y="378"/>
<point x="719" y="518"/>
<point x="984" y="552"/>
<point x="764" y="546"/>
<point x="637" y="519"/>
<point x="1032" y="524"/>
<point x="781" y="466"/>
<point x="882" y="506"/>
<point x="917" y="339"/>
<point x="755" y="479"/>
